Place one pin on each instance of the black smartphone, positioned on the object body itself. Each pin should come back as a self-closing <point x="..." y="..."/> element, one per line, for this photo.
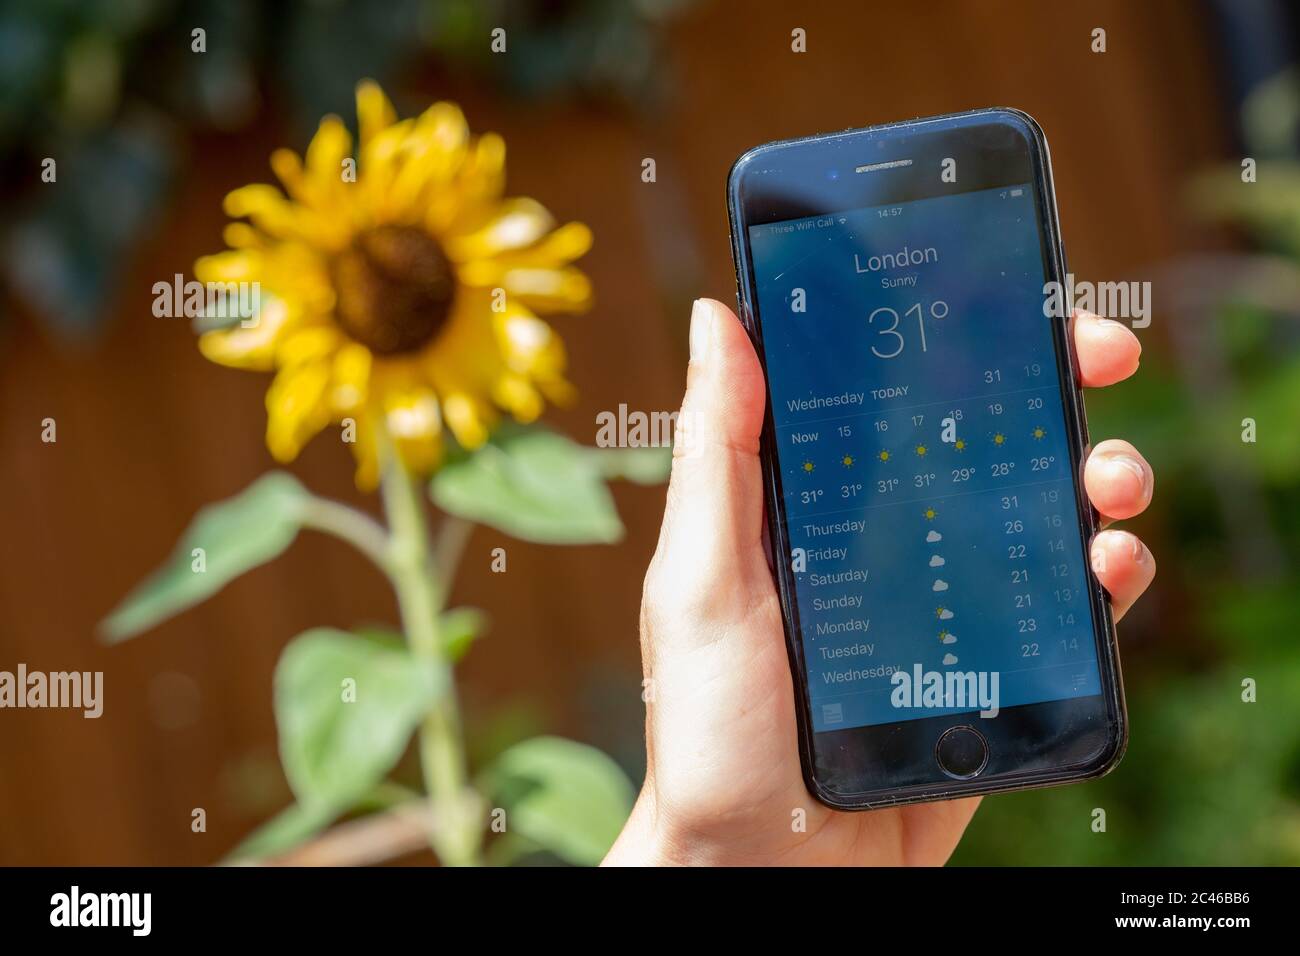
<point x="922" y="456"/>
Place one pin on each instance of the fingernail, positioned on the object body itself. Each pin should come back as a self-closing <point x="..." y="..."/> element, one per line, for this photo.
<point x="1133" y="467"/>
<point x="1109" y="324"/>
<point x="1123" y="327"/>
<point x="1135" y="544"/>
<point x="701" y="329"/>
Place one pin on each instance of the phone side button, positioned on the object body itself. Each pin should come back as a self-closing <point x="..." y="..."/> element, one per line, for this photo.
<point x="962" y="752"/>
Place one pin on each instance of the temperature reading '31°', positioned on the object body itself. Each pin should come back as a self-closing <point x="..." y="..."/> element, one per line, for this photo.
<point x="894" y="338"/>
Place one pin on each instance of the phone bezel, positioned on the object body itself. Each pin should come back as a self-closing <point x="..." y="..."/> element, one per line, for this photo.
<point x="1112" y="694"/>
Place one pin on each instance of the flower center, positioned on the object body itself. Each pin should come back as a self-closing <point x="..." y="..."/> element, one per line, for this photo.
<point x="394" y="286"/>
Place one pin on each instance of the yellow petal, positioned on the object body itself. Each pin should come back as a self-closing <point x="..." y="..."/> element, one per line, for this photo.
<point x="249" y="348"/>
<point x="298" y="274"/>
<point x="374" y="111"/>
<point x="445" y="125"/>
<point x="414" y="422"/>
<point x="515" y="224"/>
<point x="296" y="408"/>
<point x="545" y="290"/>
<point x="288" y="169"/>
<point x="517" y="395"/>
<point x="328" y="148"/>
<point x="468" y="418"/>
<point x="311" y="343"/>
<point x="485" y="173"/>
<point x="413" y="414"/>
<point x="351" y="378"/>
<point x="532" y="350"/>
<point x="379" y="164"/>
<point x="528" y="344"/>
<point x="240" y="235"/>
<point x="428" y="157"/>
<point x="234" y="265"/>
<point x="366" y="452"/>
<point x="275" y="215"/>
<point x="558" y="390"/>
<point x="571" y="241"/>
<point x="479" y="182"/>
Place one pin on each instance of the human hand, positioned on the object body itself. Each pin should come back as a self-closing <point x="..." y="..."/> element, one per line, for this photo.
<point x="723" y="776"/>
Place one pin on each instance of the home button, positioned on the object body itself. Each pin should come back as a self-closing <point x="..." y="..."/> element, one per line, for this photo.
<point x="962" y="752"/>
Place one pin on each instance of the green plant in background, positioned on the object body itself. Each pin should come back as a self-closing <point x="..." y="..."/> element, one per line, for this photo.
<point x="1208" y="778"/>
<point x="399" y="295"/>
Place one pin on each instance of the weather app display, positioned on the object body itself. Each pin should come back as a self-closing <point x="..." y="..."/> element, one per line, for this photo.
<point x="923" y="454"/>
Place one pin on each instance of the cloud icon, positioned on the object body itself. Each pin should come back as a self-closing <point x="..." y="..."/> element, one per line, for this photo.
<point x="949" y="659"/>
<point x="945" y="614"/>
<point x="933" y="536"/>
<point x="949" y="638"/>
<point x="940" y="585"/>
<point x="937" y="562"/>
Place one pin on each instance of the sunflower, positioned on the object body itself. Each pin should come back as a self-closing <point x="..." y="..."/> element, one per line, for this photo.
<point x="400" y="290"/>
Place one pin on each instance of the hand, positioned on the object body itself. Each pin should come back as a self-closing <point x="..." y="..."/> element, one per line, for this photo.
<point x="723" y="775"/>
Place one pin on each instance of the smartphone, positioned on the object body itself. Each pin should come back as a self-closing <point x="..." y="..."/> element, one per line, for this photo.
<point x="922" y="455"/>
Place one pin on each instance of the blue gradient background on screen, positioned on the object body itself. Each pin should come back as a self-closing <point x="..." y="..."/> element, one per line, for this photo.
<point x="967" y="558"/>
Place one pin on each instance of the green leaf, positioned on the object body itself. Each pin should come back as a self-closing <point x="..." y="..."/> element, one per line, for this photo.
<point x="641" y="466"/>
<point x="338" y="739"/>
<point x="288" y="828"/>
<point x="532" y="484"/>
<point x="564" y="796"/>
<point x="458" y="628"/>
<point x="235" y="535"/>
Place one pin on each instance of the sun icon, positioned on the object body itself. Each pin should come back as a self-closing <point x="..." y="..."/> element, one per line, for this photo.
<point x="930" y="514"/>
<point x="959" y="444"/>
<point x="999" y="438"/>
<point x="847" y="461"/>
<point x="921" y="451"/>
<point x="808" y="467"/>
<point x="1039" y="433"/>
<point x="884" y="455"/>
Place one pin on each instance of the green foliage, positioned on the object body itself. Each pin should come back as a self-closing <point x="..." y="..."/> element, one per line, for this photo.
<point x="346" y="708"/>
<point x="560" y="796"/>
<point x="532" y="484"/>
<point x="234" y="536"/>
<point x="1274" y="402"/>
<point x="1273" y="210"/>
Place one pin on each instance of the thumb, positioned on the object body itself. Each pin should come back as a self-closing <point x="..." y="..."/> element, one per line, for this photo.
<point x="712" y="535"/>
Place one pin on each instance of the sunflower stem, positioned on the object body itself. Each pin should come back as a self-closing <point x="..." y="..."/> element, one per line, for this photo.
<point x="422" y="584"/>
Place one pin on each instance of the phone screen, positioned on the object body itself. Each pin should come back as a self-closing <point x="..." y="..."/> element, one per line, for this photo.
<point x="924" y="459"/>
